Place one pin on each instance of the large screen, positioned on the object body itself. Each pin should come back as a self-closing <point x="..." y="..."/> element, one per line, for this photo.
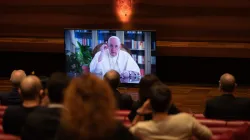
<point x="130" y="53"/>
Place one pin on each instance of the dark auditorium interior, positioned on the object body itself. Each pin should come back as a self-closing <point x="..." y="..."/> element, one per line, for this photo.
<point x="197" y="41"/>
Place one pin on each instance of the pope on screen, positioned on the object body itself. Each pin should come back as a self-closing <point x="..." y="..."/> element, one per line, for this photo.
<point x="111" y="57"/>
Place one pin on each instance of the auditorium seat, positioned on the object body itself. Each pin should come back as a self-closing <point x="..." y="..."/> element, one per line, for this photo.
<point x="1" y="121"/>
<point x="1" y="114"/>
<point x="237" y="123"/>
<point x="121" y="118"/>
<point x="221" y="130"/>
<point x="212" y="123"/>
<point x="2" y="108"/>
<point x="8" y="137"/>
<point x="127" y="124"/>
<point x="122" y="115"/>
<point x="224" y="136"/>
<point x="122" y="112"/>
<point x="1" y="129"/>
<point x="199" y="116"/>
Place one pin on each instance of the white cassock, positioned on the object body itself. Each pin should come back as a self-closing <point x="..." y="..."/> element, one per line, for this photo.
<point x="121" y="62"/>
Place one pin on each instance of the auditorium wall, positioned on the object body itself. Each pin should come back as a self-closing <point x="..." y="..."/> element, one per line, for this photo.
<point x="194" y="38"/>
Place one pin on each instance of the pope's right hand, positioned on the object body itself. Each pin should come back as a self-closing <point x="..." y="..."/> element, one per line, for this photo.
<point x="102" y="49"/>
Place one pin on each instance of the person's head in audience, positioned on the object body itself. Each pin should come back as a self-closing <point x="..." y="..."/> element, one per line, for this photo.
<point x="160" y="99"/>
<point x="56" y="85"/>
<point x="113" y="78"/>
<point x="30" y="90"/>
<point x="90" y="108"/>
<point x="227" y="83"/>
<point x="145" y="85"/>
<point x="16" y="78"/>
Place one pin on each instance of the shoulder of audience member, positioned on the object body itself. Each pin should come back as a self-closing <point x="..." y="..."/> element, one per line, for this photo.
<point x="243" y="99"/>
<point x="11" y="110"/>
<point x="141" y="125"/>
<point x="183" y="115"/>
<point x="40" y="114"/>
<point x="41" y="110"/>
<point x="212" y="99"/>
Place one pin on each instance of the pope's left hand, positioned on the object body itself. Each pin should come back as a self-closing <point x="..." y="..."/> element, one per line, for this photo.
<point x="125" y="74"/>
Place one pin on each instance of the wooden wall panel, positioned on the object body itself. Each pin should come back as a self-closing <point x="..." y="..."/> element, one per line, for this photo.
<point x="164" y="48"/>
<point x="226" y="21"/>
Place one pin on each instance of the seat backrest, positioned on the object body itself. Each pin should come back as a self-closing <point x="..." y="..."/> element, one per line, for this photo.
<point x="199" y="116"/>
<point x="222" y="130"/>
<point x="1" y="114"/>
<point x="2" y="108"/>
<point x="224" y="136"/>
<point x="237" y="123"/>
<point x="8" y="137"/>
<point x="122" y="112"/>
<point x="213" y="123"/>
<point x="242" y="133"/>
<point x="1" y="129"/>
<point x="122" y="115"/>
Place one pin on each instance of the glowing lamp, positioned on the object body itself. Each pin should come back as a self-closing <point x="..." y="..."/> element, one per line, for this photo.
<point x="124" y="9"/>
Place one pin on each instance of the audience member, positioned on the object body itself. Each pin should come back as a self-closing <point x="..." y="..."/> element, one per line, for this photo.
<point x="13" y="97"/>
<point x="42" y="124"/>
<point x="227" y="106"/>
<point x="15" y="116"/>
<point x="124" y="101"/>
<point x="144" y="94"/>
<point x="168" y="127"/>
<point x="89" y="114"/>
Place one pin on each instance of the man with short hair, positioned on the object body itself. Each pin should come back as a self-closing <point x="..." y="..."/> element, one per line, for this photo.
<point x="112" y="58"/>
<point x="227" y="106"/>
<point x="42" y="123"/>
<point x="15" y="116"/>
<point x="13" y="97"/>
<point x="124" y="101"/>
<point x="168" y="127"/>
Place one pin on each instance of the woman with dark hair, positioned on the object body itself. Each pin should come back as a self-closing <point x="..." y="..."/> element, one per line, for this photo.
<point x="89" y="112"/>
<point x="145" y="85"/>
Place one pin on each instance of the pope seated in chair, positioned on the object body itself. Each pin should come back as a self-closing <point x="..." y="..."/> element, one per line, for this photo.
<point x="111" y="56"/>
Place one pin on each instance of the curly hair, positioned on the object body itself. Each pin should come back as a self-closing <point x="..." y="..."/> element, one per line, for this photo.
<point x="89" y="108"/>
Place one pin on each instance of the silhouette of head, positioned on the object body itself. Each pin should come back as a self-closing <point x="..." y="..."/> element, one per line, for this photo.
<point x="56" y="85"/>
<point x="145" y="85"/>
<point x="30" y="88"/>
<point x="161" y="98"/>
<point x="227" y="83"/>
<point x="16" y="77"/>
<point x="113" y="78"/>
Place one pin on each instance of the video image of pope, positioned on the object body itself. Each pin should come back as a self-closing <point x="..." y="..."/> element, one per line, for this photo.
<point x="112" y="57"/>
